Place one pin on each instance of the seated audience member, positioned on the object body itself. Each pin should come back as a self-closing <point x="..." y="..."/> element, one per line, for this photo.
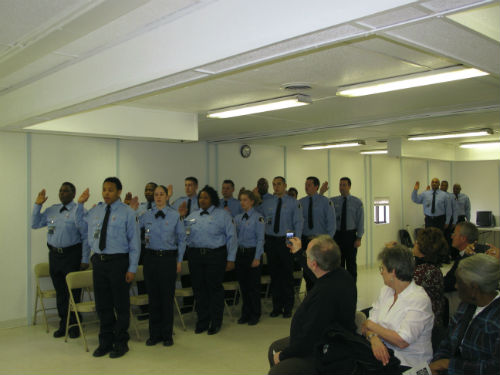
<point x="493" y="251"/>
<point x="472" y="345"/>
<point x="331" y="300"/>
<point x="429" y="248"/>
<point x="401" y="319"/>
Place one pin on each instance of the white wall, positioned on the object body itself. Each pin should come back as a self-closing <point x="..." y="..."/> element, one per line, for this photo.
<point x="32" y="162"/>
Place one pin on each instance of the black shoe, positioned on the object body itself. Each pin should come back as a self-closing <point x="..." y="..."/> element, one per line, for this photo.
<point x="101" y="351"/>
<point x="143" y="317"/>
<point x="60" y="333"/>
<point x="213" y="330"/>
<point x="200" y="330"/>
<point x="74" y="333"/>
<point x="168" y="342"/>
<point x="118" y="351"/>
<point x="243" y="320"/>
<point x="274" y="313"/>
<point x="253" y="322"/>
<point x="287" y="314"/>
<point x="152" y="341"/>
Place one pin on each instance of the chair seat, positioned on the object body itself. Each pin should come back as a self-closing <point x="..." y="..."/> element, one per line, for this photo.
<point x="140" y="300"/>
<point x="184" y="292"/>
<point x="265" y="279"/>
<point x="231" y="285"/>
<point x="48" y="293"/>
<point x="87" y="306"/>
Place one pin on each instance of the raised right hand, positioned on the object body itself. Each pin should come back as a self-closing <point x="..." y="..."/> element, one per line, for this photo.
<point x="417" y="186"/>
<point x="85" y="196"/>
<point x="323" y="188"/>
<point x="128" y="198"/>
<point x="183" y="209"/>
<point x="41" y="198"/>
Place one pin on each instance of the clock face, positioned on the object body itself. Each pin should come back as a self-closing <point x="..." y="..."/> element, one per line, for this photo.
<point x="245" y="151"/>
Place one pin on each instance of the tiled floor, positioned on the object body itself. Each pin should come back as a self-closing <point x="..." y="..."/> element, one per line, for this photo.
<point x="237" y="349"/>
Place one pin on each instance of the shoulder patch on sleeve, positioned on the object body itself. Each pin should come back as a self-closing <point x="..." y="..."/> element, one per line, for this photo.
<point x="261" y="219"/>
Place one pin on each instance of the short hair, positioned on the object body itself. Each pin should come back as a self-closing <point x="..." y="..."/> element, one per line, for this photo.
<point x="294" y="190"/>
<point x="399" y="259"/>
<point x="212" y="193"/>
<point x="152" y="183"/>
<point x="433" y="244"/>
<point x="280" y="177"/>
<point x="469" y="231"/>
<point x="480" y="269"/>
<point x="193" y="179"/>
<point x="444" y="181"/>
<point x="249" y="194"/>
<point x="114" y="180"/>
<point x="70" y="185"/>
<point x="346" y="179"/>
<point x="315" y="180"/>
<point x="325" y="252"/>
<point x="163" y="187"/>
<point x="230" y="182"/>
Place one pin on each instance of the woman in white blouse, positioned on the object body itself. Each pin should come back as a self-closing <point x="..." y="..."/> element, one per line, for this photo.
<point x="401" y="319"/>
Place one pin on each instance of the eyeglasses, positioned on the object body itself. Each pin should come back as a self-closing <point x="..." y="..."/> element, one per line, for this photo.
<point x="381" y="268"/>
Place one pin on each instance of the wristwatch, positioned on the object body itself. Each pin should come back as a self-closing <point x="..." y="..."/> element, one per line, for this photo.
<point x="370" y="335"/>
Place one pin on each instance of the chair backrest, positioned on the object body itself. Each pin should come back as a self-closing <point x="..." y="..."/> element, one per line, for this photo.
<point x="264" y="258"/>
<point x="404" y="238"/>
<point x="42" y="270"/>
<point x="139" y="274"/>
<point x="184" y="268"/>
<point x="79" y="279"/>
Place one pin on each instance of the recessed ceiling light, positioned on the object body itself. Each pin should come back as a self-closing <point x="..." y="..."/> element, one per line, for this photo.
<point x="373" y="152"/>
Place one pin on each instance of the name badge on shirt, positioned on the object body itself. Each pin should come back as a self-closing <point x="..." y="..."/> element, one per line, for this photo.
<point x="147" y="234"/>
<point x="51" y="225"/>
<point x="97" y="231"/>
<point x="269" y="220"/>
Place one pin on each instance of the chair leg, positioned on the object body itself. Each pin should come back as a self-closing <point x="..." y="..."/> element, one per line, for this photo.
<point x="36" y="305"/>
<point x="228" y="310"/>
<point x="180" y="314"/>
<point x="67" y="321"/>
<point x="81" y="330"/>
<point x="44" y="314"/>
<point x="134" y="322"/>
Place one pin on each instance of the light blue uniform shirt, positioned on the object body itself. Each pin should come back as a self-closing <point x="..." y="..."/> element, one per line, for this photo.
<point x="123" y="234"/>
<point x="442" y="204"/>
<point x="266" y="196"/>
<point x="233" y="204"/>
<point x="143" y="208"/>
<point x="462" y="206"/>
<point x="212" y="231"/>
<point x="166" y="233"/>
<point x="64" y="229"/>
<point x="323" y="213"/>
<point x="251" y="231"/>
<point x="194" y="203"/>
<point x="355" y="216"/>
<point x="290" y="216"/>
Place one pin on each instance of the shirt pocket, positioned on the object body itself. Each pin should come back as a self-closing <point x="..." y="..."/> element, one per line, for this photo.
<point x="117" y="226"/>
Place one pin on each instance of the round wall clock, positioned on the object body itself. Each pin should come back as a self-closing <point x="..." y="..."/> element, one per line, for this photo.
<point x="245" y="151"/>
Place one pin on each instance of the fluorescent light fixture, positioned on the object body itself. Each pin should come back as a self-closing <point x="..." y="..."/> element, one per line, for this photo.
<point x="492" y="144"/>
<point x="374" y="152"/>
<point x="412" y="80"/>
<point x="333" y="145"/>
<point x="261" y="106"/>
<point x="468" y="133"/>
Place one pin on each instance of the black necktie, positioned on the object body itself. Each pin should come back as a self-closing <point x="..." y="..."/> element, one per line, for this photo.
<point x="310" y="213"/>
<point x="245" y="216"/>
<point x="277" y="217"/>
<point x="149" y="205"/>
<point x="205" y="212"/>
<point x="433" y="208"/>
<point x="343" y="218"/>
<point x="456" y="197"/>
<point x="189" y="207"/>
<point x="104" y="229"/>
<point x="160" y="214"/>
<point x="225" y="203"/>
<point x="63" y="208"/>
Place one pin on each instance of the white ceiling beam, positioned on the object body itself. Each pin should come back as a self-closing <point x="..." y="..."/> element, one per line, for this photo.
<point x="217" y="31"/>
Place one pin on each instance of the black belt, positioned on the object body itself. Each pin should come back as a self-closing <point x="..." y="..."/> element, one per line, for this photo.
<point x="162" y="253"/>
<point x="62" y="250"/>
<point x="245" y="249"/>
<point x="205" y="250"/>
<point x="110" y="257"/>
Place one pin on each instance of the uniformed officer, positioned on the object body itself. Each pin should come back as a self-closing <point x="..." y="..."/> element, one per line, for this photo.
<point x="227" y="201"/>
<point x="114" y="237"/>
<point x="68" y="248"/>
<point x="350" y="225"/>
<point x="449" y="230"/>
<point x="319" y="218"/>
<point x="462" y="205"/>
<point x="189" y="202"/>
<point x="250" y="227"/>
<point x="212" y="245"/>
<point x="437" y="208"/>
<point x="283" y="215"/>
<point x="293" y="193"/>
<point x="261" y="191"/>
<point x="165" y="243"/>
